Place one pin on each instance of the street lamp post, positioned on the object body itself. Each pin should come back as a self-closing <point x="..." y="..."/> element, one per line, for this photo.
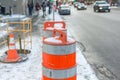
<point x="54" y="6"/>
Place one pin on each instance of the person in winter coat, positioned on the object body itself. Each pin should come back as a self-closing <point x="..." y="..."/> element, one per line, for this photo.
<point x="44" y="8"/>
<point x="37" y="7"/>
<point x="30" y="7"/>
<point x="49" y="7"/>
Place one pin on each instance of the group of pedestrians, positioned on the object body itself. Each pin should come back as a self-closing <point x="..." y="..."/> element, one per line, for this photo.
<point x="38" y="7"/>
<point x="45" y="4"/>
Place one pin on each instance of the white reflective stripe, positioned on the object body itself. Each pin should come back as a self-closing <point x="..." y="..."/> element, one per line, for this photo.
<point x="12" y="47"/>
<point x="59" y="74"/>
<point x="59" y="50"/>
<point x="12" y="40"/>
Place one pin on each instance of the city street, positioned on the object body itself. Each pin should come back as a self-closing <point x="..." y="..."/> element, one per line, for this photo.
<point x="98" y="42"/>
<point x="99" y="35"/>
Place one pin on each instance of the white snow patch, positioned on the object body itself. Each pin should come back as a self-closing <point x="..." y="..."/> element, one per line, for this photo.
<point x="2" y="33"/>
<point x="58" y="25"/>
<point x="58" y="41"/>
<point x="56" y="17"/>
<point x="5" y="33"/>
<point x="25" y="19"/>
<point x="3" y="24"/>
<point x="84" y="71"/>
<point x="50" y="28"/>
<point x="14" y="16"/>
<point x="59" y="28"/>
<point x="54" y="40"/>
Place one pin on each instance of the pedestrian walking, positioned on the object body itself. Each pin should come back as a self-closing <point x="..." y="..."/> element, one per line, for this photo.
<point x="44" y="8"/>
<point x="30" y="7"/>
<point x="37" y="7"/>
<point x="10" y="10"/>
<point x="49" y="7"/>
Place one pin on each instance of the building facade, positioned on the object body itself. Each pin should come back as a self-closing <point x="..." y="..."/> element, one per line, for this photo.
<point x="119" y="2"/>
<point x="17" y="6"/>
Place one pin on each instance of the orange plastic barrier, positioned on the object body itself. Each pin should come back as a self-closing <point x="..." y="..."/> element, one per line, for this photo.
<point x="51" y="25"/>
<point x="59" y="57"/>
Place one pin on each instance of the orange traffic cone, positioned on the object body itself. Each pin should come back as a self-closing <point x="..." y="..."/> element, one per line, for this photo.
<point x="12" y="52"/>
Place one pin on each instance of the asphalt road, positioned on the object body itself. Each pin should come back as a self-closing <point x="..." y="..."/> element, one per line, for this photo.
<point x="100" y="35"/>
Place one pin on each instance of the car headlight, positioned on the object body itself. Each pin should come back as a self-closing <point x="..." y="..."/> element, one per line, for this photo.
<point x="100" y="8"/>
<point x="109" y="7"/>
<point x="79" y="7"/>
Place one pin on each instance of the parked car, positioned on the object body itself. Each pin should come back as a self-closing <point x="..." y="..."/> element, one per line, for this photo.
<point x="64" y="9"/>
<point x="81" y="6"/>
<point x="101" y="6"/>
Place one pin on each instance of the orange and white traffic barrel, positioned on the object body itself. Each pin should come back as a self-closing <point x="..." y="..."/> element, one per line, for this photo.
<point x="49" y="26"/>
<point x="59" y="57"/>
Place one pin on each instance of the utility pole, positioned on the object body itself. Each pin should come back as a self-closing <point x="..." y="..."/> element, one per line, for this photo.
<point x="54" y="6"/>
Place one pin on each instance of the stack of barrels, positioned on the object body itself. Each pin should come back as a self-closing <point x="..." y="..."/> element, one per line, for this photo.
<point x="58" y="56"/>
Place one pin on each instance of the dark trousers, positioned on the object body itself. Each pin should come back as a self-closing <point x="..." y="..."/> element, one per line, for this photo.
<point x="30" y="11"/>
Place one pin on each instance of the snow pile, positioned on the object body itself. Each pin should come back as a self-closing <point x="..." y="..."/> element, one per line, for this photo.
<point x="12" y="18"/>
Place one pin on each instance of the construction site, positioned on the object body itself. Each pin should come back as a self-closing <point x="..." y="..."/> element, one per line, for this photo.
<point x="39" y="48"/>
<point x="46" y="54"/>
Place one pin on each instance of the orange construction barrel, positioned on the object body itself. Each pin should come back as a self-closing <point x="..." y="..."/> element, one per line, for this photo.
<point x="49" y="26"/>
<point x="59" y="57"/>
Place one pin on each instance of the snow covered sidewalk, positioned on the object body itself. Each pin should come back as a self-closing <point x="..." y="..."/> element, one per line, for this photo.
<point x="32" y="68"/>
